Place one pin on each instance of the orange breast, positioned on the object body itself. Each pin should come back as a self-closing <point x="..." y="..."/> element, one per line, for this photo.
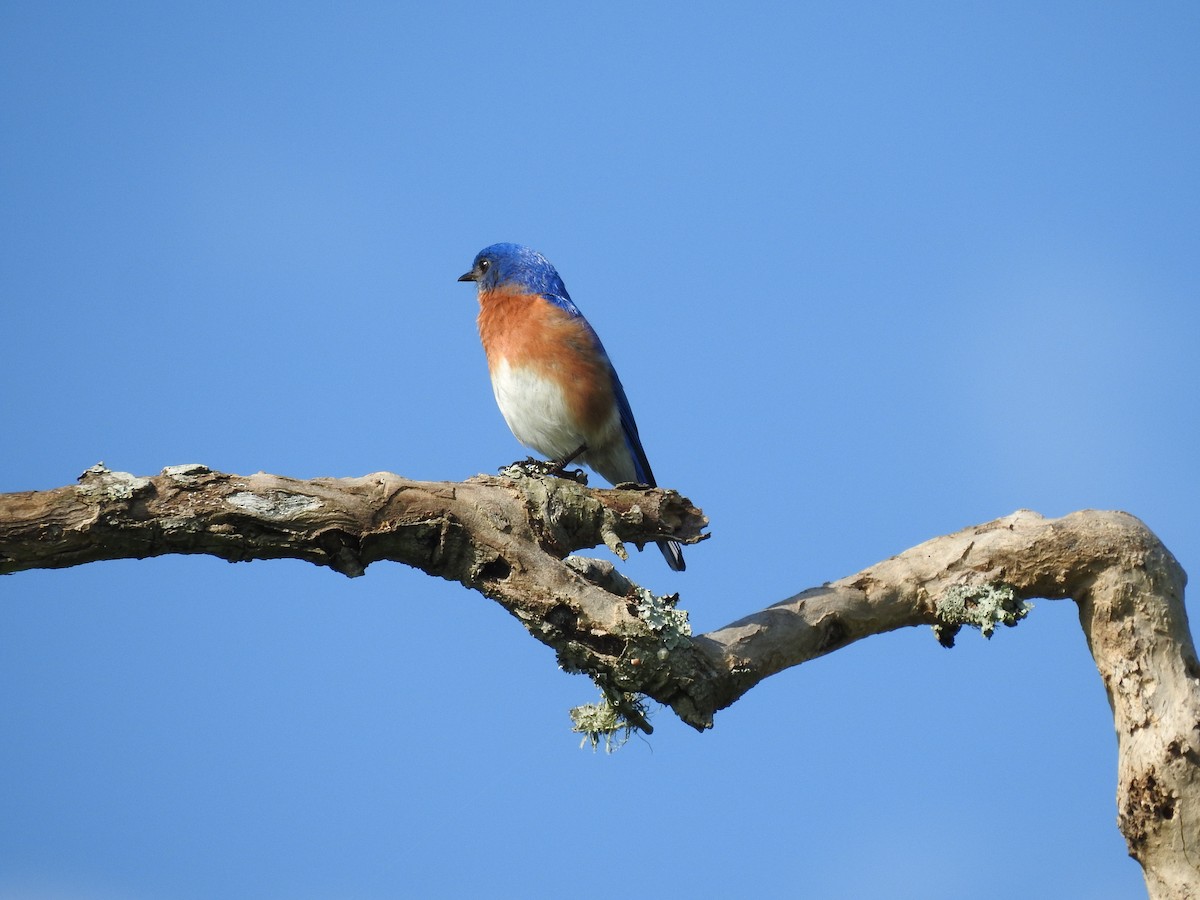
<point x="529" y="331"/>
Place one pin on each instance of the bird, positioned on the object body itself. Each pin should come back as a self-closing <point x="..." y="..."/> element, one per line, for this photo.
<point x="554" y="383"/>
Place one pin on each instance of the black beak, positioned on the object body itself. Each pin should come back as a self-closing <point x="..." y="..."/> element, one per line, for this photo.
<point x="469" y="276"/>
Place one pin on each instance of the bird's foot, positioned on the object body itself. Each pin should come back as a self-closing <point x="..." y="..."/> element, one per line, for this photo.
<point x="554" y="467"/>
<point x="559" y="466"/>
<point x="576" y="475"/>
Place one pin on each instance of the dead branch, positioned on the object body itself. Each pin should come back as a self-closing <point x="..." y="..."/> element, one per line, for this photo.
<point x="509" y="537"/>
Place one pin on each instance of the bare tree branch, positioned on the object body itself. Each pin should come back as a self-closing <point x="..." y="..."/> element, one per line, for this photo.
<point x="507" y="538"/>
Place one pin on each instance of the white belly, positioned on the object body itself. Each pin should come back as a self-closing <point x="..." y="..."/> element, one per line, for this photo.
<point x="536" y="411"/>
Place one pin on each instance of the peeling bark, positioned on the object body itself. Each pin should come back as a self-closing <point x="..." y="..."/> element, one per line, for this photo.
<point x="507" y="537"/>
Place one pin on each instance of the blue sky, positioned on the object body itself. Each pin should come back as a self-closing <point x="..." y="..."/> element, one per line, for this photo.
<point x="870" y="273"/>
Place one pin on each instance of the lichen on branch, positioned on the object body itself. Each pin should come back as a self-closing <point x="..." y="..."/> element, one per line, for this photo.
<point x="513" y="537"/>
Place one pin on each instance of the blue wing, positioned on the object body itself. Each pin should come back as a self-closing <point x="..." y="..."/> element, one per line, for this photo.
<point x="641" y="465"/>
<point x="671" y="550"/>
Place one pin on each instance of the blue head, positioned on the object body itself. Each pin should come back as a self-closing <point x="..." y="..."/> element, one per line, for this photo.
<point x="511" y="265"/>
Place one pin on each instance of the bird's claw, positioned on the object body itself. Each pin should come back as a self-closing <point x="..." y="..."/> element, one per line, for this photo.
<point x="576" y="475"/>
<point x="553" y="468"/>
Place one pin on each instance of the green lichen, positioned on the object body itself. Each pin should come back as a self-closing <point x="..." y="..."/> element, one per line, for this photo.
<point x="605" y="721"/>
<point x="982" y="606"/>
<point x="620" y="714"/>
<point x="669" y="623"/>
<point x="613" y="719"/>
<point x="100" y="483"/>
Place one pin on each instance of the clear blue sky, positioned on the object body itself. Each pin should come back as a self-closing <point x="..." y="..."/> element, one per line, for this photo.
<point x="870" y="273"/>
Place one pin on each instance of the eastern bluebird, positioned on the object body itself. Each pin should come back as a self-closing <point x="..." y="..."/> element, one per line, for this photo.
<point x="554" y="384"/>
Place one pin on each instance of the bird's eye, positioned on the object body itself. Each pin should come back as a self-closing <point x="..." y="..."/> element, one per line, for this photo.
<point x="484" y="265"/>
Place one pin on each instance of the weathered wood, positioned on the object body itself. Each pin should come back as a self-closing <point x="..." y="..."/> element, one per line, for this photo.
<point x="508" y="537"/>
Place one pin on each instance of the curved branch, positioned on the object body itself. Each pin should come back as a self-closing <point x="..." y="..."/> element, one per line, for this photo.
<point x="1129" y="589"/>
<point x="503" y="536"/>
<point x="508" y="537"/>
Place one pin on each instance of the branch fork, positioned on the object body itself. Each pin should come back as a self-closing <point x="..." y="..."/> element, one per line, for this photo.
<point x="512" y="537"/>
